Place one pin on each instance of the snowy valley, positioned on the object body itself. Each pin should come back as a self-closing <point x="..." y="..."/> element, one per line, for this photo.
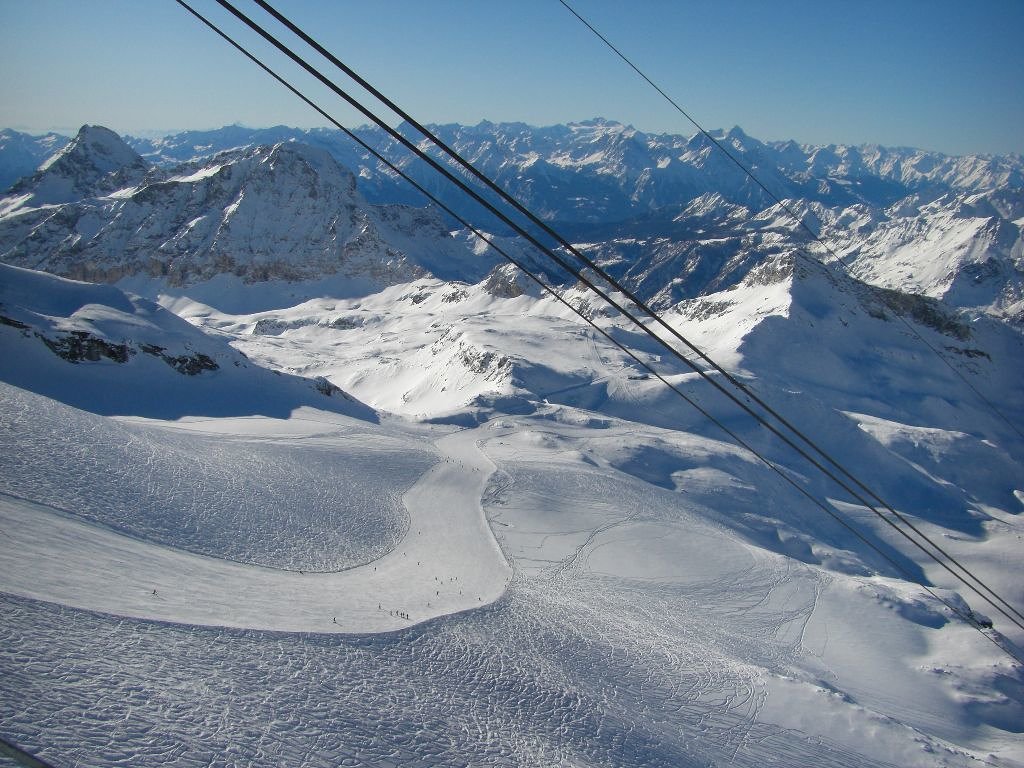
<point x="295" y="472"/>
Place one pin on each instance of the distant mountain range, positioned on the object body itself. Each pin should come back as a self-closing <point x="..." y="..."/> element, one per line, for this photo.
<point x="672" y="216"/>
<point x="623" y="172"/>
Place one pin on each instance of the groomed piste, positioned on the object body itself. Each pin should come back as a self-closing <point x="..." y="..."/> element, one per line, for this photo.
<point x="444" y="561"/>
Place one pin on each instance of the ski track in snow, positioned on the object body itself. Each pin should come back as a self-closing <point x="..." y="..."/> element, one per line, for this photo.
<point x="447" y="562"/>
<point x="523" y="683"/>
<point x="298" y="495"/>
<point x="570" y="667"/>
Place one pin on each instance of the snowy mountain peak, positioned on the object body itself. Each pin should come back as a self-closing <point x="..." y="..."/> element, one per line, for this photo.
<point x="95" y="162"/>
<point x="98" y="147"/>
<point x="285" y="211"/>
<point x="315" y="159"/>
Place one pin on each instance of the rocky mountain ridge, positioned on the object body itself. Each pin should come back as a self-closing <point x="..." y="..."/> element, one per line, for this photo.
<point x="671" y="216"/>
<point x="646" y="170"/>
<point x="286" y="211"/>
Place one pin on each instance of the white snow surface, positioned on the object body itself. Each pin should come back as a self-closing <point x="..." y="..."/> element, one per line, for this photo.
<point x="445" y="561"/>
<point x="592" y="573"/>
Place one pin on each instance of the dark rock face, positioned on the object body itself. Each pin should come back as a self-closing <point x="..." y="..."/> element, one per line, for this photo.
<point x="923" y="310"/>
<point x="325" y="387"/>
<point x="190" y="365"/>
<point x="79" y="345"/>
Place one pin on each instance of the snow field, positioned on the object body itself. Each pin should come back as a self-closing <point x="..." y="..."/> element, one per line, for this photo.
<point x="315" y="502"/>
<point x="872" y="659"/>
<point x="670" y="603"/>
<point x="605" y="650"/>
<point x="443" y="560"/>
<point x="527" y="683"/>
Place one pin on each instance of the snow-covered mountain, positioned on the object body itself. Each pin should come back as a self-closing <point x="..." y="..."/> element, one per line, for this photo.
<point x="623" y="172"/>
<point x="287" y="211"/>
<point x="96" y="161"/>
<point x="965" y="248"/>
<point x="672" y="216"/>
<point x="317" y="480"/>
<point x="95" y="346"/>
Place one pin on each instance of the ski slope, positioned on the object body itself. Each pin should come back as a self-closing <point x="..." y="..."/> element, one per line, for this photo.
<point x="538" y="561"/>
<point x="635" y="631"/>
<point x="445" y="562"/>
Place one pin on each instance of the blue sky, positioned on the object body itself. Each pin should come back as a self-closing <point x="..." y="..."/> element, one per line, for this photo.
<point x="937" y="74"/>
